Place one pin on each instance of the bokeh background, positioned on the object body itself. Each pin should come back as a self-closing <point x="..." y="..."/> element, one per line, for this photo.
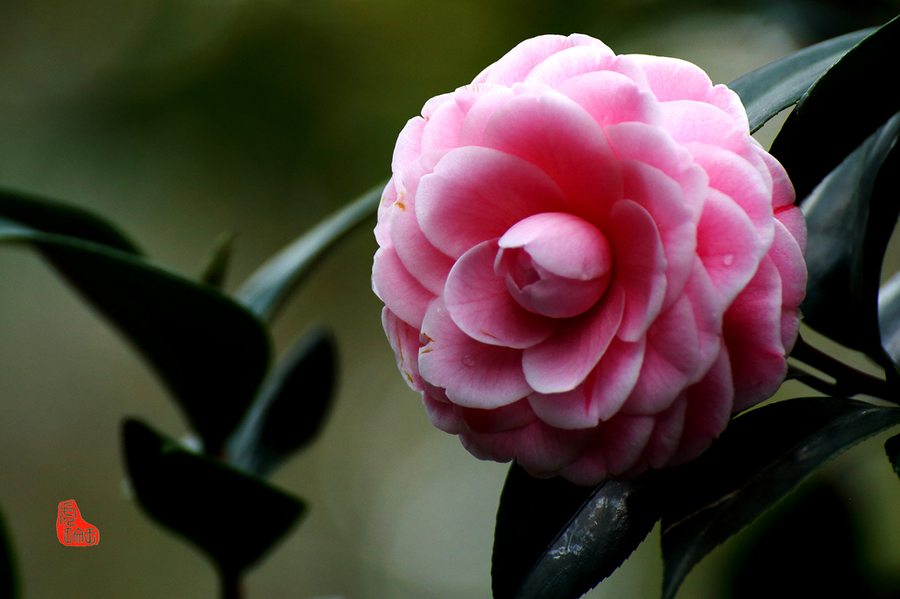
<point x="183" y="119"/>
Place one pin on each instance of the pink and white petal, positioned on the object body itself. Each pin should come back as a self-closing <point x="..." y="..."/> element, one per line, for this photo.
<point x="471" y="132"/>
<point x="675" y="220"/>
<point x="443" y="415"/>
<point x="666" y="434"/>
<point x="709" y="407"/>
<point x="639" y="266"/>
<point x="728" y="245"/>
<point x="675" y="79"/>
<point x="612" y="98"/>
<point x="479" y="303"/>
<point x="555" y="134"/>
<point x="782" y="188"/>
<point x="516" y="64"/>
<point x="671" y="360"/>
<point x="599" y="396"/>
<point x="569" y="355"/>
<point x="743" y="182"/>
<point x="752" y="331"/>
<point x="473" y="374"/>
<point x="404" y="340"/>
<point x="409" y="144"/>
<point x="425" y="263"/>
<point x="498" y="420"/>
<point x="792" y="219"/>
<point x="399" y="291"/>
<point x="787" y="256"/>
<point x="441" y="131"/>
<point x="690" y="121"/>
<point x="476" y="194"/>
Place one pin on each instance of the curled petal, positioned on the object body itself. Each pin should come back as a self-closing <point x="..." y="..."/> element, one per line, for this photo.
<point x="480" y="304"/>
<point x="404" y="340"/>
<point x="473" y="374"/>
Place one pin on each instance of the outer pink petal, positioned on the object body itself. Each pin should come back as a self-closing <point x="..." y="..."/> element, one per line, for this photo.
<point x="709" y="406"/>
<point x="748" y="186"/>
<point x="476" y="194"/>
<point x="671" y="360"/>
<point x="443" y="415"/>
<point x="639" y="266"/>
<point x="792" y="219"/>
<point x="474" y="374"/>
<point x="425" y="263"/>
<point x="752" y="330"/>
<point x="498" y="420"/>
<point x="787" y="256"/>
<point x="472" y="131"/>
<point x="518" y="62"/>
<point x="690" y="121"/>
<point x="599" y="396"/>
<point x="409" y="144"/>
<point x="612" y="98"/>
<point x="782" y="188"/>
<point x="480" y="304"/>
<point x="441" y="131"/>
<point x="555" y="134"/>
<point x="728" y="246"/>
<point x="404" y="340"/>
<point x="666" y="434"/>
<point x="383" y="226"/>
<point x="623" y="440"/>
<point x="566" y="358"/>
<point x="675" y="79"/>
<point x="398" y="289"/>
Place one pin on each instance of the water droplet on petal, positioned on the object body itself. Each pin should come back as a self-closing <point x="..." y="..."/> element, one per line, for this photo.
<point x="728" y="259"/>
<point x="468" y="360"/>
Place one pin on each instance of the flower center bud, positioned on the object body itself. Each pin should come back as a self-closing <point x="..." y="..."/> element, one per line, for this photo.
<point x="555" y="264"/>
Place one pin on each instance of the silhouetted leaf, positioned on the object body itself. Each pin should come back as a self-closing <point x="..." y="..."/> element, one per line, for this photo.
<point x="770" y="89"/>
<point x="53" y="217"/>
<point x="290" y="408"/>
<point x="850" y="217"/>
<point x="272" y="283"/>
<point x="761" y="456"/>
<point x="842" y="109"/>
<point x="215" y="264"/>
<point x="209" y="350"/>
<point x="892" y="448"/>
<point x="9" y="579"/>
<point x="557" y="540"/>
<point x="234" y="518"/>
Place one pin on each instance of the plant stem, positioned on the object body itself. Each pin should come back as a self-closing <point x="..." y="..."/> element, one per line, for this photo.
<point x="848" y="380"/>
<point x="232" y="583"/>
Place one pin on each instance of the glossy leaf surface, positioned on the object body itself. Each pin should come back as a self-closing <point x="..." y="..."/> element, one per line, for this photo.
<point x="842" y="109"/>
<point x="215" y="264"/>
<point x="210" y="351"/>
<point x="557" y="540"/>
<point x="232" y="517"/>
<point x="770" y="89"/>
<point x="762" y="456"/>
<point x="268" y="288"/>
<point x="850" y="217"/>
<point x="291" y="407"/>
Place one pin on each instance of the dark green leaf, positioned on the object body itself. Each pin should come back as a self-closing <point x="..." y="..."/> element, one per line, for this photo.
<point x="841" y="110"/>
<point x="850" y="217"/>
<point x="557" y="540"/>
<point x="762" y="456"/>
<point x="53" y="217"/>
<point x="268" y="288"/>
<point x="234" y="518"/>
<point x="770" y="89"/>
<point x="210" y="351"/>
<point x="892" y="448"/>
<point x="9" y="580"/>
<point x="215" y="264"/>
<point x="889" y="322"/>
<point x="290" y="408"/>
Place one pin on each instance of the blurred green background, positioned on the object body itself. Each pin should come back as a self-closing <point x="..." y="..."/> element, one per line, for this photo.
<point x="181" y="119"/>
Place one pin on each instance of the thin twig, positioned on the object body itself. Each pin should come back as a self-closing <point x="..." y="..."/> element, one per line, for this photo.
<point x="848" y="380"/>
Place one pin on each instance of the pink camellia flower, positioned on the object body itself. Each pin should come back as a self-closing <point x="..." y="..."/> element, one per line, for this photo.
<point x="587" y="263"/>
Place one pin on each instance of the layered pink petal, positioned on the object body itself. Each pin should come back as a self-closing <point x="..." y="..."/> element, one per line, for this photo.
<point x="399" y="291"/>
<point x="559" y="137"/>
<point x="471" y="132"/>
<point x="404" y="340"/>
<point x="667" y="431"/>
<point x="566" y="358"/>
<point x="639" y="266"/>
<point x="752" y="330"/>
<point x="443" y="414"/>
<point x="612" y="98"/>
<point x="690" y="121"/>
<point x="479" y="303"/>
<point x="519" y="62"/>
<point x="409" y="144"/>
<point x="476" y="194"/>
<point x="709" y="404"/>
<point x="441" y="131"/>
<point x="473" y="374"/>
